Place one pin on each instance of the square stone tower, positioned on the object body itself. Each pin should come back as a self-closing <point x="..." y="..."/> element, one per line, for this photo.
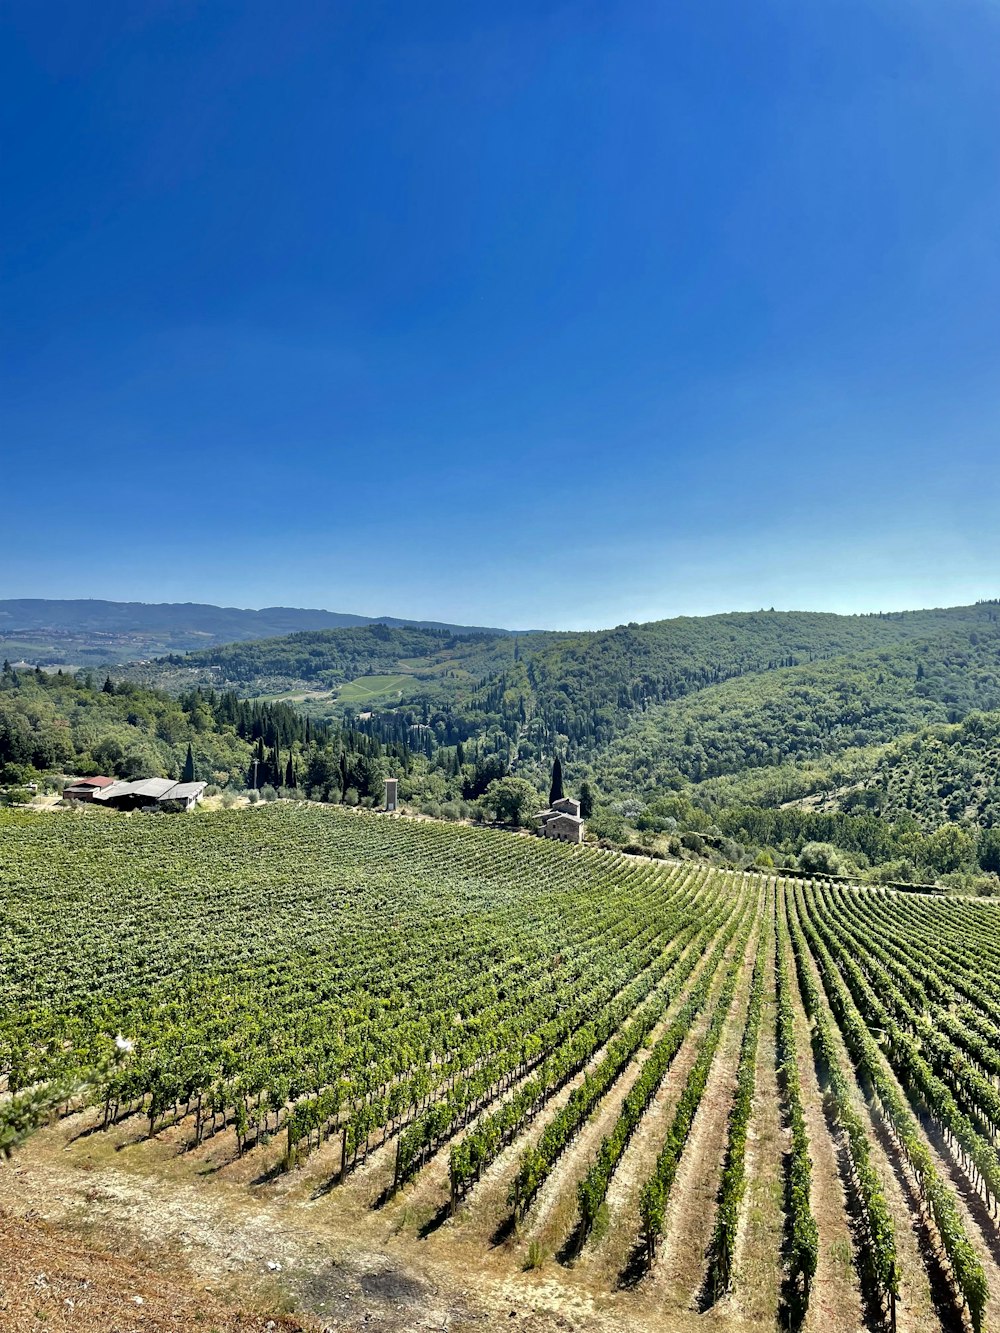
<point x="391" y="790"/>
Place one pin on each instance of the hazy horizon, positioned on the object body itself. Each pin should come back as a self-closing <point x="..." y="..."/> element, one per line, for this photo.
<point x="406" y="614"/>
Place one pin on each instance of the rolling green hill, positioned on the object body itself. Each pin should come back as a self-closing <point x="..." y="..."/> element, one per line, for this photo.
<point x="581" y="687"/>
<point x="638" y="707"/>
<point x="807" y="713"/>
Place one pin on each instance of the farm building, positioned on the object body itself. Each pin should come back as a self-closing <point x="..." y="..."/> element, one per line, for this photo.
<point x="562" y="820"/>
<point x="85" y="789"/>
<point x="151" y="794"/>
<point x="182" y="796"/>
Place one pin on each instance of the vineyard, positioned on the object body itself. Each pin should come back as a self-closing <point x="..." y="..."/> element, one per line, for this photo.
<point x="613" y="1092"/>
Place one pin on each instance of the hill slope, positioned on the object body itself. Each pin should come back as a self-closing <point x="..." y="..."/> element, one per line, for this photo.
<point x="940" y="774"/>
<point x="418" y="1036"/>
<point x="807" y="712"/>
<point x="685" y="699"/>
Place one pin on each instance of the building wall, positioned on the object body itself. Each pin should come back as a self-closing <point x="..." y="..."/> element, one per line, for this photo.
<point x="565" y="830"/>
<point x="567" y="805"/>
<point x="81" y="791"/>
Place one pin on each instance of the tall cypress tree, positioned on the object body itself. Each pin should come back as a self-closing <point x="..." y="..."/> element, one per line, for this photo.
<point x="556" y="792"/>
<point x="188" y="774"/>
<point x="289" y="771"/>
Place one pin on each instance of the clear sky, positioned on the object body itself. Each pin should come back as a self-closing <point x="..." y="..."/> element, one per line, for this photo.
<point x="525" y="313"/>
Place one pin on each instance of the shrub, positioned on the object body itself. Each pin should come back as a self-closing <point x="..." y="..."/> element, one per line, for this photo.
<point x="822" y="858"/>
<point x="535" y="1257"/>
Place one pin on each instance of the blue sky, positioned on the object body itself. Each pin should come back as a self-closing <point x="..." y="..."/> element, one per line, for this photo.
<point x="527" y="314"/>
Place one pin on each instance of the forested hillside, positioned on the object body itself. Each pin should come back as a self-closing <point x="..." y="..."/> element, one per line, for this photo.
<point x="942" y="773"/>
<point x="678" y="700"/>
<point x="329" y="658"/>
<point x="55" y="724"/>
<point x="579" y="690"/>
<point x="806" y="712"/>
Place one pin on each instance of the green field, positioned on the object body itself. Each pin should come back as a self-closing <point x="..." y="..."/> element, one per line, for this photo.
<point x="367" y="689"/>
<point x="461" y="1034"/>
<point x="363" y="690"/>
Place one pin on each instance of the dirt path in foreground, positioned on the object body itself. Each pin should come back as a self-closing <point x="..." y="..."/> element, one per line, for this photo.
<point x="51" y="1280"/>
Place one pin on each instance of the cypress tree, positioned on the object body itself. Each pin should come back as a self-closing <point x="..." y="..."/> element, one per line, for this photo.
<point x="107" y="687"/>
<point x="188" y="773"/>
<point x="556" y="792"/>
<point x="290" y="772"/>
<point x="586" y="800"/>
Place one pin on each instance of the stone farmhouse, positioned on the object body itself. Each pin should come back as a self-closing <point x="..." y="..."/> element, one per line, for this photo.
<point x="562" y="820"/>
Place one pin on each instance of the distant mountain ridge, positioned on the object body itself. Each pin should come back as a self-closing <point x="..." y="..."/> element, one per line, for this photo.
<point x="82" y="631"/>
